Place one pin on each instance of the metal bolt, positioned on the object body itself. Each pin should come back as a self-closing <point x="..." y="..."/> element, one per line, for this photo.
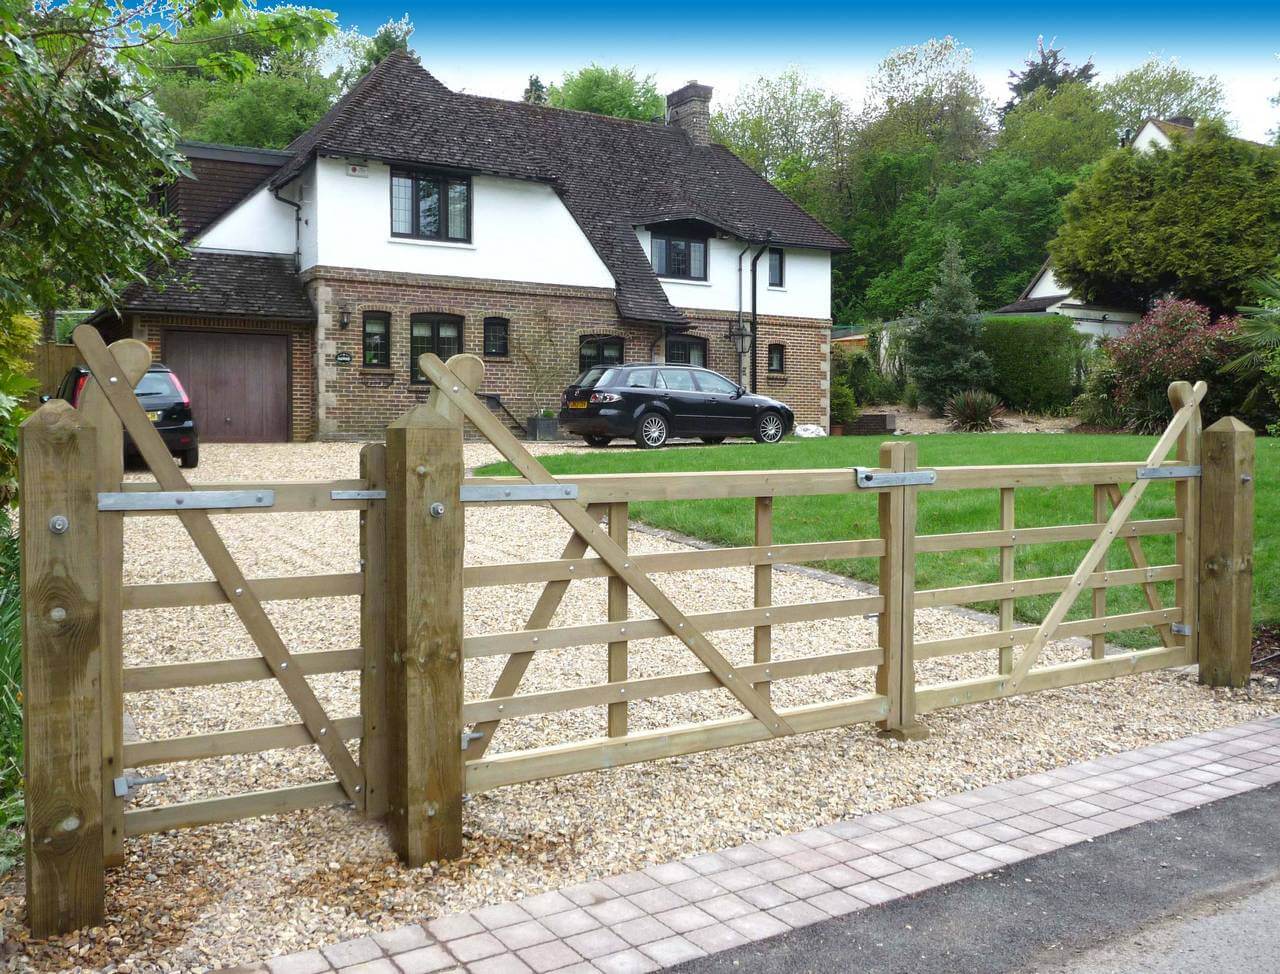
<point x="571" y="569"/>
<point x="178" y="500"/>
<point x="258" y="498"/>
<point x="455" y="388"/>
<point x="626" y="564"/>
<point x="437" y="509"/>
<point x="323" y="731"/>
<point x="420" y="470"/>
<point x="69" y="824"/>
<point x="622" y="630"/>
<point x="501" y="707"/>
<point x="284" y="665"/>
<point x="535" y="639"/>
<point x="57" y="613"/>
<point x="623" y="691"/>
<point x="1246" y="478"/>
<point x="359" y="788"/>
<point x="113" y="380"/>
<point x="239" y="591"/>
<point x="58" y="524"/>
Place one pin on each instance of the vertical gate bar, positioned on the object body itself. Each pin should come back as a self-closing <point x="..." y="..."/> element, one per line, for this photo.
<point x="134" y="359"/>
<point x="61" y="671"/>
<point x="1007" y="574"/>
<point x="1187" y="502"/>
<point x="1226" y="554"/>
<point x="373" y="633"/>
<point x="889" y="672"/>
<point x="618" y="523"/>
<point x="425" y="538"/>
<point x="1101" y="511"/>
<point x="763" y="636"/>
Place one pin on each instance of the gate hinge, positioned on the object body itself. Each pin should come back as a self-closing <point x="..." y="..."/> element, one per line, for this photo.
<point x="469" y="736"/>
<point x="1181" y="629"/>
<point x="1167" y="473"/>
<point x="127" y="785"/>
<point x="871" y="477"/>
<point x="184" y="500"/>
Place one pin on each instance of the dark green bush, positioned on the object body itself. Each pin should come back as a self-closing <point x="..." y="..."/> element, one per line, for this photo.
<point x="844" y="408"/>
<point x="1034" y="360"/>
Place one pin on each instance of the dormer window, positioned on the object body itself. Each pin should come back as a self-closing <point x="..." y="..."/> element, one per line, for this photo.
<point x="430" y="206"/>
<point x="679" y="256"/>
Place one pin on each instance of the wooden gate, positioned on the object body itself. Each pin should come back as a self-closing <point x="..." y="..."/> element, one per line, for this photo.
<point x="422" y="745"/>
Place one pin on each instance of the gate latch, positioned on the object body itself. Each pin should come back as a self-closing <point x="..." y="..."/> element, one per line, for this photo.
<point x="126" y="786"/>
<point x="469" y="736"/>
<point x="871" y="478"/>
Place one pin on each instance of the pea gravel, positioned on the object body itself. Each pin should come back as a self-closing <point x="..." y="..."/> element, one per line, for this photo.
<point x="223" y="895"/>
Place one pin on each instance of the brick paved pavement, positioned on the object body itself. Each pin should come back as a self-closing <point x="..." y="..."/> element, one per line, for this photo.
<point x="672" y="912"/>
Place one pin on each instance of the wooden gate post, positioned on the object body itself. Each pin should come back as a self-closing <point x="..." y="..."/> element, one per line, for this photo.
<point x="1226" y="553"/>
<point x="425" y="536"/>
<point x="895" y="677"/>
<point x="61" y="670"/>
<point x="373" y="634"/>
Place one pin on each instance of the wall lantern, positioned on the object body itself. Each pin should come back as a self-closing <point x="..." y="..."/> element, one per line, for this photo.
<point x="740" y="335"/>
<point x="344" y="317"/>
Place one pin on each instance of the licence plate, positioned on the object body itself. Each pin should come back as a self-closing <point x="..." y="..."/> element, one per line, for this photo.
<point x="578" y="404"/>
<point x="154" y="415"/>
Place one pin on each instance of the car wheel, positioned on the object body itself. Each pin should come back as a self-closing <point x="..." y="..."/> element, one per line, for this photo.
<point x="713" y="440"/>
<point x="190" y="458"/>
<point x="598" y="440"/>
<point x="652" y="431"/>
<point x="769" y="427"/>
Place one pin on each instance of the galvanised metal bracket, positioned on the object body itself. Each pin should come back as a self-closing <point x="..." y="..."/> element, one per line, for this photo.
<point x="357" y="495"/>
<point x="1181" y="629"/>
<point x="184" y="500"/>
<point x="469" y="736"/>
<point x="472" y="494"/>
<point x="1167" y="473"/>
<point x="126" y="786"/>
<point x="870" y="478"/>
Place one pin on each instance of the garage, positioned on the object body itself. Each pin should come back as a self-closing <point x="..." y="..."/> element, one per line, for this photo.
<point x="238" y="383"/>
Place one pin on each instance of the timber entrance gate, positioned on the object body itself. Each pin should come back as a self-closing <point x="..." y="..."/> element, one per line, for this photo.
<point x="421" y="744"/>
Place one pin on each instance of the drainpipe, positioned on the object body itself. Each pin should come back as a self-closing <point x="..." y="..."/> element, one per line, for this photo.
<point x="297" y="228"/>
<point x="742" y="253"/>
<point x="755" y="293"/>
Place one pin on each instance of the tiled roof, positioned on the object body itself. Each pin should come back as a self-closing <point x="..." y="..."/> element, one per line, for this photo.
<point x="611" y="173"/>
<point x="212" y="282"/>
<point x="1027" y="305"/>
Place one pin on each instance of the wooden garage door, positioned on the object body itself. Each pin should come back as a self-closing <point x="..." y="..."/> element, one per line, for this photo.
<point x="238" y="383"/>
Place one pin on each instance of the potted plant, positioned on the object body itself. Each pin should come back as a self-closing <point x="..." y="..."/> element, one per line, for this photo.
<point x="844" y="407"/>
<point x="543" y="426"/>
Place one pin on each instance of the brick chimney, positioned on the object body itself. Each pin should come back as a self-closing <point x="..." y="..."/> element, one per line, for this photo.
<point x="690" y="109"/>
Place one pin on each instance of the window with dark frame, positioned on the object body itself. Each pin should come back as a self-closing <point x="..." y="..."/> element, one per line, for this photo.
<point x="430" y="206"/>
<point x="437" y="333"/>
<point x="777" y="358"/>
<point x="687" y="350"/>
<point x="777" y="267"/>
<point x="376" y="340"/>
<point x="679" y="257"/>
<point x="596" y="350"/>
<point x="497" y="334"/>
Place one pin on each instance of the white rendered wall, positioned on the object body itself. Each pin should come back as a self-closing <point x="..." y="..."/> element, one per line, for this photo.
<point x="520" y="231"/>
<point x="304" y="190"/>
<point x="1047" y="285"/>
<point x="806" y="290"/>
<point x="260" y="224"/>
<point x="1150" y="137"/>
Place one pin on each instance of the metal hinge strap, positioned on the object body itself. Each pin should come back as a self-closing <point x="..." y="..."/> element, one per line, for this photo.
<point x="475" y="493"/>
<point x="871" y="477"/>
<point x="184" y="500"/>
<point x="357" y="495"/>
<point x="469" y="736"/>
<point x="1167" y="473"/>
<point x="1181" y="629"/>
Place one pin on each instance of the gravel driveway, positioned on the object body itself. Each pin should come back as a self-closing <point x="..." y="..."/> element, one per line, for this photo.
<point x="232" y="893"/>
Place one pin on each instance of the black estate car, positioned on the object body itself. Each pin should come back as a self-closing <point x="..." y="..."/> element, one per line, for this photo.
<point x="167" y="404"/>
<point x="653" y="402"/>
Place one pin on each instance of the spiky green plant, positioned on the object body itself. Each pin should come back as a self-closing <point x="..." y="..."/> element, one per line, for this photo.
<point x="974" y="411"/>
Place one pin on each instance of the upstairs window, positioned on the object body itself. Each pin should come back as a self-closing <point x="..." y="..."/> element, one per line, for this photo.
<point x="430" y="206"/>
<point x="777" y="358"/>
<point x="680" y="257"/>
<point x="377" y="340"/>
<point x="777" y="267"/>
<point x="441" y="334"/>
<point x="497" y="336"/>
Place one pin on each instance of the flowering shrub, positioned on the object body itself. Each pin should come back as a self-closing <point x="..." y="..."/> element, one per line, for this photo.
<point x="1175" y="340"/>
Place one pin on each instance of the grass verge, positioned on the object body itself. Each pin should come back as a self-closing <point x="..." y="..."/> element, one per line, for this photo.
<point x="836" y="517"/>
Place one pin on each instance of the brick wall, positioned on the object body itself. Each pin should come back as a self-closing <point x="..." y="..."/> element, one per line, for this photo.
<point x="302" y="392"/>
<point x="547" y="325"/>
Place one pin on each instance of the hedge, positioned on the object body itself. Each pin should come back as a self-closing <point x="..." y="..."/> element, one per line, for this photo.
<point x="1033" y="358"/>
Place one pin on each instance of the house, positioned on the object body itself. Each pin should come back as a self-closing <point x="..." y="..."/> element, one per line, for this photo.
<point x="1045" y="295"/>
<point x="412" y="218"/>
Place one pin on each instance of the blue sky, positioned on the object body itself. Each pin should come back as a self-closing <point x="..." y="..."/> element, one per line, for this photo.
<point x="491" y="48"/>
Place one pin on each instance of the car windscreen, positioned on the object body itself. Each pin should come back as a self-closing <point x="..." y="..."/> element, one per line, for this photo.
<point x="156" y="384"/>
<point x="595" y="377"/>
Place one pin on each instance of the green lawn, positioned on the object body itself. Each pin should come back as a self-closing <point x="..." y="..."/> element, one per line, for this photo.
<point x="835" y="517"/>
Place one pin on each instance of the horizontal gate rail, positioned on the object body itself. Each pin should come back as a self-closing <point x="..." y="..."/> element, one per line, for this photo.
<point x="963" y="594"/>
<point x="932" y="648"/>
<point x="556" y="701"/>
<point x="1048" y="535"/>
<point x="250" y="740"/>
<point x="205" y="673"/>
<point x="173" y="595"/>
<point x="529" y="640"/>
<point x="209" y="811"/>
